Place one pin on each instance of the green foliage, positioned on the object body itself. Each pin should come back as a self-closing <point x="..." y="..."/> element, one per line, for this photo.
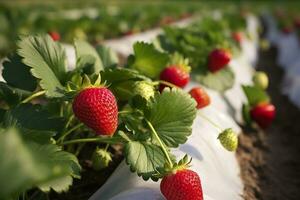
<point x="33" y="117"/>
<point x="108" y="56"/>
<point x="17" y="74"/>
<point x="84" y="49"/>
<point x="172" y="114"/>
<point x="148" y="60"/>
<point x="26" y="164"/>
<point x="144" y="158"/>
<point x="47" y="61"/>
<point x="219" y="81"/>
<point x="255" y="95"/>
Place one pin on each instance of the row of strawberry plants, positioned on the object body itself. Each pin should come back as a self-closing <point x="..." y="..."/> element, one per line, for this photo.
<point x="49" y="113"/>
<point x="91" y="23"/>
<point x="43" y="102"/>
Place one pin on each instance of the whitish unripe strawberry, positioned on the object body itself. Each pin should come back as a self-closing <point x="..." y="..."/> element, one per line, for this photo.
<point x="228" y="139"/>
<point x="144" y="89"/>
<point x="260" y="79"/>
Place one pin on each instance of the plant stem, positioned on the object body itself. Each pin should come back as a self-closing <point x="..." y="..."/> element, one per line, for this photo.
<point x="106" y="147"/>
<point x="79" y="149"/>
<point x="124" y="112"/>
<point x="210" y="121"/>
<point x="160" y="142"/>
<point x="86" y="140"/>
<point x="166" y="83"/>
<point x="34" y="95"/>
<point x="69" y="132"/>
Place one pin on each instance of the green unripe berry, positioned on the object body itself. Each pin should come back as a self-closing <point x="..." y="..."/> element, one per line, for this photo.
<point x="261" y="80"/>
<point x="228" y="139"/>
<point x="144" y="89"/>
<point x="101" y="159"/>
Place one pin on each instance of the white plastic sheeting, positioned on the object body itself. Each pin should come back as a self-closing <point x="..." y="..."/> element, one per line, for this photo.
<point x="288" y="50"/>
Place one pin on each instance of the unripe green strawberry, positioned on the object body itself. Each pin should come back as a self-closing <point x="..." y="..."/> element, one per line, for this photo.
<point x="97" y="108"/>
<point x="260" y="79"/>
<point x="228" y="139"/>
<point x="144" y="89"/>
<point x="101" y="159"/>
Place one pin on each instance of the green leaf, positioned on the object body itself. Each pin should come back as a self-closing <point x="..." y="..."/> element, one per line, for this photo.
<point x="17" y="74"/>
<point x="144" y="158"/>
<point x="86" y="63"/>
<point x="172" y="114"/>
<point x="25" y="164"/>
<point x="47" y="61"/>
<point x="246" y="114"/>
<point x="255" y="95"/>
<point x="219" y="81"/>
<point x="10" y="95"/>
<point x="82" y="49"/>
<point x="148" y="60"/>
<point x="33" y="117"/>
<point x="108" y="56"/>
<point x="118" y="75"/>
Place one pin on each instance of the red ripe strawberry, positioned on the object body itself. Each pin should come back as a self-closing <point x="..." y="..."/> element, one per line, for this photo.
<point x="287" y="29"/>
<point x="184" y="184"/>
<point x="201" y="97"/>
<point x="175" y="75"/>
<point x="263" y="114"/>
<point x="237" y="36"/>
<point x="218" y="59"/>
<point x="97" y="108"/>
<point x="54" y="35"/>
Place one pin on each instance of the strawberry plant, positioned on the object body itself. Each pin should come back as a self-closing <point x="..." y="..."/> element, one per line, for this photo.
<point x="48" y="113"/>
<point x="258" y="108"/>
<point x="200" y="43"/>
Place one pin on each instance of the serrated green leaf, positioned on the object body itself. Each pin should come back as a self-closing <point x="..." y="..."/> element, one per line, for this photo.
<point x="83" y="49"/>
<point x="144" y="158"/>
<point x="59" y="185"/>
<point x="17" y="74"/>
<point x="148" y="60"/>
<point x="255" y="95"/>
<point x="33" y="117"/>
<point x="108" y="56"/>
<point x="220" y="81"/>
<point x="172" y="114"/>
<point x="25" y="164"/>
<point x="47" y="61"/>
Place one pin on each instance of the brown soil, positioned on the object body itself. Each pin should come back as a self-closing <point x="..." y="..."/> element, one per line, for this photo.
<point x="270" y="160"/>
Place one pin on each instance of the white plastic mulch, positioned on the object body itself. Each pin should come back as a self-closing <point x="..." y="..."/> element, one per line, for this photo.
<point x="288" y="48"/>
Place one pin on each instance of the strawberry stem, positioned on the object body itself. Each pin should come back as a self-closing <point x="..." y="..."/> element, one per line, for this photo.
<point x="161" y="143"/>
<point x="65" y="134"/>
<point x="124" y="112"/>
<point x="34" y="95"/>
<point x="210" y="121"/>
<point x="97" y="139"/>
<point x="165" y="83"/>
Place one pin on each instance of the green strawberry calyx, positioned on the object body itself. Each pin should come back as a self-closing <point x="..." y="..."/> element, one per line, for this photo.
<point x="184" y="163"/>
<point x="181" y="62"/>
